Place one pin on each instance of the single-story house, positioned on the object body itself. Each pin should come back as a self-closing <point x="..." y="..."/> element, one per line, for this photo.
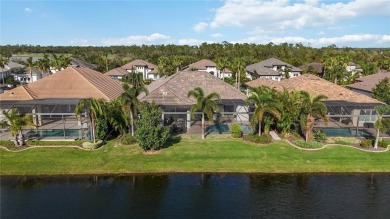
<point x="170" y="92"/>
<point x="273" y="69"/>
<point x="344" y="106"/>
<point x="117" y="73"/>
<point x="364" y="85"/>
<point x="53" y="99"/>
<point x="147" y="69"/>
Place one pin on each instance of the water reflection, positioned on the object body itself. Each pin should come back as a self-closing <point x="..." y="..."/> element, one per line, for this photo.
<point x="197" y="196"/>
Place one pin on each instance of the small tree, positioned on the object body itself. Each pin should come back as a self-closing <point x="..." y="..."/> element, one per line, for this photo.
<point x="15" y="122"/>
<point x="150" y="133"/>
<point x="382" y="91"/>
<point x="381" y="124"/>
<point x="93" y="108"/>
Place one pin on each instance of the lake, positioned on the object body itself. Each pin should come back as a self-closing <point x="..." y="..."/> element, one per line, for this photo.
<point x="197" y="196"/>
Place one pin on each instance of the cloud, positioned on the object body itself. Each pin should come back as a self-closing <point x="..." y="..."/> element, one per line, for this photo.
<point x="200" y="27"/>
<point x="155" y="38"/>
<point x="192" y="42"/>
<point x="368" y="40"/>
<point x="277" y="15"/>
<point x="76" y="41"/>
<point x="28" y="10"/>
<point x="216" y="35"/>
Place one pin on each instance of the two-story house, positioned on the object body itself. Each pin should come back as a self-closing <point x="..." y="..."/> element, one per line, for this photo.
<point x="273" y="69"/>
<point x="147" y="69"/>
<point x="209" y="66"/>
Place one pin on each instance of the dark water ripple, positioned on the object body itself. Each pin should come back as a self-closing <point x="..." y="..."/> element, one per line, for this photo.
<point x="197" y="196"/>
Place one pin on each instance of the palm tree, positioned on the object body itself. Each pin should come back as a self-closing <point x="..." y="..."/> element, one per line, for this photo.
<point x="206" y="104"/>
<point x="222" y="64"/>
<point x="130" y="104"/>
<point x="116" y="117"/>
<point x="3" y="62"/>
<point x="93" y="108"/>
<point x="263" y="99"/>
<point x="311" y="108"/>
<point x="163" y="63"/>
<point x="30" y="64"/>
<point x="290" y="108"/>
<point x="43" y="64"/>
<point x="178" y="62"/>
<point x="238" y="65"/>
<point x="381" y="124"/>
<point x="15" y="121"/>
<point x="60" y="62"/>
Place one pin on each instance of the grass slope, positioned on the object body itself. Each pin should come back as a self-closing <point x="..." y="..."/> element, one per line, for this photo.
<point x="189" y="155"/>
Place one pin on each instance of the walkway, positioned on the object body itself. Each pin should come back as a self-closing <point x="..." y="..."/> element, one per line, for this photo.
<point x="274" y="135"/>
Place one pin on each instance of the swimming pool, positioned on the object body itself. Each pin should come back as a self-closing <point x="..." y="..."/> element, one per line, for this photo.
<point x="225" y="128"/>
<point x="55" y="133"/>
<point x="344" y="132"/>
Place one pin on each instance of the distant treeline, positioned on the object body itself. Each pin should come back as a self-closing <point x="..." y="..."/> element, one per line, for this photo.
<point x="295" y="54"/>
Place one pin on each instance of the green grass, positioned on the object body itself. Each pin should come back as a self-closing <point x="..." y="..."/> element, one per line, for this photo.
<point x="191" y="155"/>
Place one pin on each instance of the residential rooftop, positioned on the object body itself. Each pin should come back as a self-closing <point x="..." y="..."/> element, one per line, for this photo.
<point x="369" y="82"/>
<point x="201" y="64"/>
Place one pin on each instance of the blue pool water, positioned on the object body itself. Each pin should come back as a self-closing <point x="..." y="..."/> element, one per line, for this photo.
<point x="225" y="128"/>
<point x="53" y="133"/>
<point x="344" y="132"/>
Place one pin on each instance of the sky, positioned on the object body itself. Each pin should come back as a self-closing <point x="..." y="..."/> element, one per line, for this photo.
<point x="315" y="23"/>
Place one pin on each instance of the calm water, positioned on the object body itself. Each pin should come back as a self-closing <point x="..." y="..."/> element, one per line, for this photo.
<point x="197" y="196"/>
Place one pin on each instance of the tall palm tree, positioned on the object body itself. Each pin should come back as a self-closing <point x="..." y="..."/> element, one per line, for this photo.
<point x="16" y="122"/>
<point x="290" y="108"/>
<point x="263" y="99"/>
<point x="60" y="62"/>
<point x="3" y="62"/>
<point x="30" y="64"/>
<point x="130" y="105"/>
<point x="222" y="64"/>
<point x="116" y="117"/>
<point x="93" y="108"/>
<point x="43" y="64"/>
<point x="206" y="104"/>
<point x="311" y="108"/>
<point x="381" y="124"/>
<point x="178" y="62"/>
<point x="238" y="64"/>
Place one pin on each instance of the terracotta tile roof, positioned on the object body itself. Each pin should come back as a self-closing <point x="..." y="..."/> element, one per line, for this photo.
<point x="173" y="90"/>
<point x="264" y="67"/>
<point x="263" y="82"/>
<point x="316" y="86"/>
<point x="140" y="62"/>
<point x="318" y="67"/>
<point x="202" y="64"/>
<point x="367" y="83"/>
<point x="117" y="72"/>
<point x="73" y="82"/>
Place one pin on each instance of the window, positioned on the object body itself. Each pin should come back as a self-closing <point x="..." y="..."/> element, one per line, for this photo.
<point x="367" y="115"/>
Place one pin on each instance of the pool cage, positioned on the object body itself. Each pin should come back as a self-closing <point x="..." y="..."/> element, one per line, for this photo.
<point x="53" y="120"/>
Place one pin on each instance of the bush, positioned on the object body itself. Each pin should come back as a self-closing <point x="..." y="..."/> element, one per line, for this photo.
<point x="263" y="139"/>
<point x="304" y="144"/>
<point x="101" y="128"/>
<point x="366" y="143"/>
<point x="91" y="145"/>
<point x="54" y="143"/>
<point x="127" y="139"/>
<point x="384" y="143"/>
<point x="320" y="136"/>
<point x="7" y="143"/>
<point x="236" y="131"/>
<point x="150" y="134"/>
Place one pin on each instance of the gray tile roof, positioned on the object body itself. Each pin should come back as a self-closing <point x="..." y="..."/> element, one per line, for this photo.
<point x="264" y="67"/>
<point x="117" y="72"/>
<point x="369" y="82"/>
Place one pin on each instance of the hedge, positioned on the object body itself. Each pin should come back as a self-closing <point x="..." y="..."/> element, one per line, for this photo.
<point x="304" y="144"/>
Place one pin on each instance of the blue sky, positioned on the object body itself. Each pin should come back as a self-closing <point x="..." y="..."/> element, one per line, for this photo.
<point x="352" y="23"/>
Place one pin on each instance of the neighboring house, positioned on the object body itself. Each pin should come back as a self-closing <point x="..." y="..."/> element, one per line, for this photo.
<point x="10" y="68"/>
<point x="364" y="85"/>
<point x="147" y="69"/>
<point x="345" y="107"/>
<point x="52" y="100"/>
<point x="316" y="67"/>
<point x="24" y="76"/>
<point x="225" y="73"/>
<point x="354" y="68"/>
<point x="273" y="69"/>
<point x="170" y="92"/>
<point x="117" y="73"/>
<point x="206" y="65"/>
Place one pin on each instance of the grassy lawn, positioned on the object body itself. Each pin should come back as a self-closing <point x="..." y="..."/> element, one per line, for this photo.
<point x="192" y="155"/>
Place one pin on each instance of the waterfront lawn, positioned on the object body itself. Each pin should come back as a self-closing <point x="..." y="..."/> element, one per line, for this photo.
<point x="192" y="155"/>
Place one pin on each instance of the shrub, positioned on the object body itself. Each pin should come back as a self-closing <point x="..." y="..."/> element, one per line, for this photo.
<point x="6" y="143"/>
<point x="236" y="131"/>
<point x="384" y="143"/>
<point x="304" y="144"/>
<point x="320" y="136"/>
<point x="54" y="143"/>
<point x="263" y="139"/>
<point x="343" y="140"/>
<point x="91" y="145"/>
<point x="150" y="134"/>
<point x="366" y="143"/>
<point x="101" y="128"/>
<point x="127" y="139"/>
